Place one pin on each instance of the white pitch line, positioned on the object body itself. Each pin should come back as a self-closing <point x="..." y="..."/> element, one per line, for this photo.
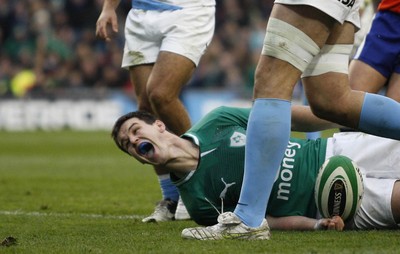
<point x="95" y="216"/>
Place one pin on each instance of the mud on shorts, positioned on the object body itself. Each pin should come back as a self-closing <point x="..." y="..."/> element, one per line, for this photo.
<point x="149" y="32"/>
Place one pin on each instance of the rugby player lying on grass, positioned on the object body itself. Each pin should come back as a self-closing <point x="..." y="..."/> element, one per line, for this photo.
<point x="206" y="164"/>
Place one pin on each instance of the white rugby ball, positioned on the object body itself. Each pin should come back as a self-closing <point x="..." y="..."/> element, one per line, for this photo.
<point x="339" y="188"/>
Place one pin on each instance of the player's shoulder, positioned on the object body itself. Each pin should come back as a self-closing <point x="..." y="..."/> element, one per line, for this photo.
<point x="222" y="116"/>
<point x="227" y="110"/>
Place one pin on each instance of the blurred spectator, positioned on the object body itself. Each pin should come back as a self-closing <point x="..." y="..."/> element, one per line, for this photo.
<point x="53" y="41"/>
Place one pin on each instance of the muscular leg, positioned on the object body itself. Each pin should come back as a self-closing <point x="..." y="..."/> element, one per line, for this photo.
<point x="331" y="98"/>
<point x="329" y="94"/>
<point x="365" y="78"/>
<point x="276" y="78"/>
<point x="139" y="76"/>
<point x="170" y="73"/>
<point x="269" y="123"/>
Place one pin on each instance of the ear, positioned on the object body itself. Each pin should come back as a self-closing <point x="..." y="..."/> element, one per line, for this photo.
<point x="161" y="126"/>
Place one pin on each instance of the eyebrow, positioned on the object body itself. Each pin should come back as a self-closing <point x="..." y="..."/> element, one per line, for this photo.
<point x="125" y="141"/>
<point x="130" y="127"/>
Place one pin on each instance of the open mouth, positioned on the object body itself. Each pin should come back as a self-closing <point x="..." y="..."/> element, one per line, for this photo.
<point x="145" y="148"/>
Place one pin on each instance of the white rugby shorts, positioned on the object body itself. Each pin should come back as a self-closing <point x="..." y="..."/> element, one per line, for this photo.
<point x="375" y="210"/>
<point x="341" y="10"/>
<point x="186" y="32"/>
<point x="379" y="162"/>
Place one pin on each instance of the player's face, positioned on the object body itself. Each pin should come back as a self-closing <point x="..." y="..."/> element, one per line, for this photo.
<point x="142" y="140"/>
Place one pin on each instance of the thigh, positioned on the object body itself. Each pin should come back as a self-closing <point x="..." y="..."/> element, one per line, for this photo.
<point x="363" y="77"/>
<point x="139" y="76"/>
<point x="311" y="21"/>
<point x="170" y="73"/>
<point x="275" y="75"/>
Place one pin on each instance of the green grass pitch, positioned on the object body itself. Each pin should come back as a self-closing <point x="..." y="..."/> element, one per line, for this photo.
<point x="75" y="192"/>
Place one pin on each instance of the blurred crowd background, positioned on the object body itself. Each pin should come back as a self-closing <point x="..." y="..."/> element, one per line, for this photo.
<point x="49" y="49"/>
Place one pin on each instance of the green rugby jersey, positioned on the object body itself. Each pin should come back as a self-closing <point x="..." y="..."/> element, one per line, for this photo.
<point x="218" y="177"/>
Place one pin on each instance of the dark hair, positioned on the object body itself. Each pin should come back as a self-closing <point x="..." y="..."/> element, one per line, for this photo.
<point x="142" y="115"/>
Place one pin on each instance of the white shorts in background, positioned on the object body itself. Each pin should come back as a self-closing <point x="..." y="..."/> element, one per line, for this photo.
<point x="379" y="162"/>
<point x="186" y="32"/>
<point x="377" y="157"/>
<point x="337" y="9"/>
<point x="375" y="211"/>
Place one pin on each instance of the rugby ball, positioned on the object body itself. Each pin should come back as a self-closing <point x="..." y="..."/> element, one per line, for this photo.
<point x="339" y="188"/>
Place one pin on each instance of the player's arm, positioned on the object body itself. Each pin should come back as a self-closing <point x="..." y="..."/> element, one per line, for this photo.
<point x="304" y="120"/>
<point x="107" y="16"/>
<point x="304" y="223"/>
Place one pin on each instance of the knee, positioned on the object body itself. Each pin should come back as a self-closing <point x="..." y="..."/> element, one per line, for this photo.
<point x="158" y="97"/>
<point x="144" y="104"/>
<point x="321" y="112"/>
<point x="145" y="107"/>
<point x="328" y="110"/>
<point x="321" y="108"/>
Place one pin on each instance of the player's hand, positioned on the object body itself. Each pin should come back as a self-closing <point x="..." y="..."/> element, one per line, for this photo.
<point x="107" y="18"/>
<point x="334" y="223"/>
